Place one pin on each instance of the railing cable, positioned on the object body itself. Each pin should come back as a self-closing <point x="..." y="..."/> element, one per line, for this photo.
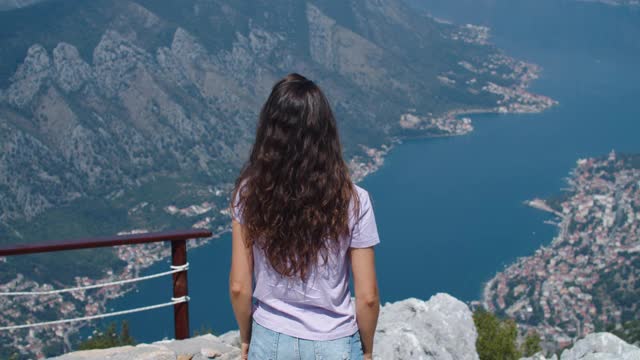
<point x="174" y="269"/>
<point x="173" y="301"/>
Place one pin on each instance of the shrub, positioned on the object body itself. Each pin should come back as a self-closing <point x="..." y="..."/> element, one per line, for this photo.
<point x="496" y="337"/>
<point x="109" y="338"/>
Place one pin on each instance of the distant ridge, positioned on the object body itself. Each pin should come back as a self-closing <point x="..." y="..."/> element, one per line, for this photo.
<point x="6" y="5"/>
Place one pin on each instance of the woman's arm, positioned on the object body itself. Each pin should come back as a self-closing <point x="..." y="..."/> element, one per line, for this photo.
<point x="367" y="298"/>
<point x="241" y="282"/>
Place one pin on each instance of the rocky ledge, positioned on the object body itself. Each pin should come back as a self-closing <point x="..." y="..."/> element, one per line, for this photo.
<point x="598" y="346"/>
<point x="438" y="329"/>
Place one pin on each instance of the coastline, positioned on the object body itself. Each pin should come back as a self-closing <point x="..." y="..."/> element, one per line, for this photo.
<point x="541" y="204"/>
<point x="562" y="290"/>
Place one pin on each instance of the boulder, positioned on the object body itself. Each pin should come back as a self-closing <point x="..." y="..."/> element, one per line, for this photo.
<point x="601" y="346"/>
<point x="196" y="348"/>
<point x="441" y="328"/>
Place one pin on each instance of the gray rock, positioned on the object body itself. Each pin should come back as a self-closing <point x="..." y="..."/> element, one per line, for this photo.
<point x="71" y="70"/>
<point x="198" y="347"/>
<point x="6" y="5"/>
<point x="115" y="59"/>
<point x="29" y="77"/>
<point x="341" y="50"/>
<point x="598" y="346"/>
<point x="441" y="328"/>
<point x="186" y="47"/>
<point x="141" y="352"/>
<point x="171" y="66"/>
<point x="601" y="346"/>
<point x="231" y="338"/>
<point x="540" y="356"/>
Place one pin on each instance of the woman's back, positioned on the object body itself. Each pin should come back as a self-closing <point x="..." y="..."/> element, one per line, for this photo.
<point x="320" y="307"/>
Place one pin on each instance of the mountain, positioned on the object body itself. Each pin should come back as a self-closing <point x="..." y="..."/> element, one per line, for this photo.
<point x="136" y="115"/>
<point x="105" y="105"/>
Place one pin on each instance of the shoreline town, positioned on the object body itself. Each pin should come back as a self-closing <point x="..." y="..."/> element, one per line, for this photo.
<point x="573" y="286"/>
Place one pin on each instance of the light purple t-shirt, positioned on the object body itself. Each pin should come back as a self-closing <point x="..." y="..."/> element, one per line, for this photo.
<point x="320" y="308"/>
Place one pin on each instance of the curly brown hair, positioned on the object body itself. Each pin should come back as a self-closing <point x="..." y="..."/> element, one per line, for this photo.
<point x="295" y="190"/>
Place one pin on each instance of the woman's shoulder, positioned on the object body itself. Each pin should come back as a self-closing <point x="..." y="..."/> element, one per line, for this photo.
<point x="364" y="224"/>
<point x="363" y="199"/>
<point x="361" y="190"/>
<point x="363" y="194"/>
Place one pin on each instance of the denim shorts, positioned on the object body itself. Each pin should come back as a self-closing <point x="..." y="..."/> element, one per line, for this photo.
<point x="270" y="345"/>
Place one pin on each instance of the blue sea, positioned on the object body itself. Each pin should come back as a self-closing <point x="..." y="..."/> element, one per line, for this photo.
<point x="450" y="211"/>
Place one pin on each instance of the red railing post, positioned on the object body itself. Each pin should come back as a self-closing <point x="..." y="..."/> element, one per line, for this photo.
<point x="180" y="289"/>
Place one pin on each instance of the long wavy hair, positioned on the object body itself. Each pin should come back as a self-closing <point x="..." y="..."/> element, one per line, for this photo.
<point x="295" y="190"/>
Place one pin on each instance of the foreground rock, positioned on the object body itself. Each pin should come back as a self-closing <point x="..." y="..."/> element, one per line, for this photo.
<point x="439" y="329"/>
<point x="601" y="346"/>
<point x="197" y="348"/>
<point x="598" y="346"/>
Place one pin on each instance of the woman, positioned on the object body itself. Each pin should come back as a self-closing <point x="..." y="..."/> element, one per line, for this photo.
<point x="300" y="226"/>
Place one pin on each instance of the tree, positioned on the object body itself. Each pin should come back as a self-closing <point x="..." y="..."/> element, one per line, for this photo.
<point x="109" y="338"/>
<point x="531" y="345"/>
<point x="203" y="330"/>
<point x="496" y="337"/>
<point x="125" y="337"/>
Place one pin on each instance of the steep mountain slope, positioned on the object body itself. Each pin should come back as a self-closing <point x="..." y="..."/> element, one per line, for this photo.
<point x="119" y="115"/>
<point x="15" y="4"/>
<point x="103" y="96"/>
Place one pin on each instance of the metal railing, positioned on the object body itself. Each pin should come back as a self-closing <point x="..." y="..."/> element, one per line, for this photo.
<point x="179" y="267"/>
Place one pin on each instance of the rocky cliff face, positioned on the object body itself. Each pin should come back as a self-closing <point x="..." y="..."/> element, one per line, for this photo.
<point x="114" y="94"/>
<point x="441" y="328"/>
<point x="117" y="121"/>
<point x="598" y="346"/>
<point x="15" y="4"/>
<point x="438" y="329"/>
<point x="101" y="98"/>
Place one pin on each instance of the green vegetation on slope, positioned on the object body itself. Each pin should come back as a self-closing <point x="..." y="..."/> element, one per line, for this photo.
<point x="498" y="338"/>
<point x="109" y="337"/>
<point x="628" y="331"/>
